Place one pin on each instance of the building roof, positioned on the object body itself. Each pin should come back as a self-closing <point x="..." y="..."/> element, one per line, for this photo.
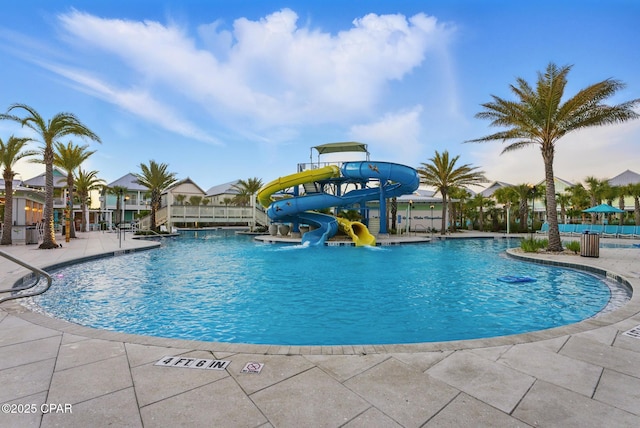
<point x="16" y="184"/>
<point x="21" y="191"/>
<point x="420" y="195"/>
<point x="624" y="178"/>
<point x="560" y="184"/>
<point x="224" y="189"/>
<point x="180" y="182"/>
<point x="129" y="181"/>
<point x="59" y="179"/>
<point x="488" y="192"/>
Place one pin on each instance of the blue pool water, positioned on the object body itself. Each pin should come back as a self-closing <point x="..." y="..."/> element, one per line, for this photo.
<point x="217" y="286"/>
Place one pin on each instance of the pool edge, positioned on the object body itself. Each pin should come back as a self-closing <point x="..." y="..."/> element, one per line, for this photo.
<point x="630" y="309"/>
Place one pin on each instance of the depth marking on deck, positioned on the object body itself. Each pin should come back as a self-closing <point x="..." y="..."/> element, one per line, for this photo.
<point x="634" y="332"/>
<point x="252" y="368"/>
<point x="193" y="363"/>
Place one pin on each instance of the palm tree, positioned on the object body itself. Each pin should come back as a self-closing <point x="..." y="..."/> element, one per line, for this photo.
<point x="195" y="200"/>
<point x="524" y="191"/>
<point x="442" y="174"/>
<point x="10" y="153"/>
<point x="480" y="203"/>
<point x="596" y="189"/>
<point x="579" y="198"/>
<point x="119" y="192"/>
<point x="563" y="199"/>
<point x="156" y="178"/>
<point x="69" y="158"/>
<point x="61" y="125"/>
<point x="508" y="197"/>
<point x="394" y="212"/>
<point x="540" y="118"/>
<point x="85" y="182"/>
<point x="619" y="192"/>
<point x="461" y="194"/>
<point x="246" y="188"/>
<point x="633" y="190"/>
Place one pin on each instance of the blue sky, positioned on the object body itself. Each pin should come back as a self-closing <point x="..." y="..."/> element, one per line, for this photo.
<point x="222" y="90"/>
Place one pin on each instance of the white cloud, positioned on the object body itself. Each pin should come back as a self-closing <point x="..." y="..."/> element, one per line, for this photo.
<point x="603" y="152"/>
<point x="395" y="135"/>
<point x="265" y="74"/>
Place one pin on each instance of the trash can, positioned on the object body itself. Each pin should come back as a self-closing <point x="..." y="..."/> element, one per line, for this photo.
<point x="590" y="245"/>
<point x="31" y="235"/>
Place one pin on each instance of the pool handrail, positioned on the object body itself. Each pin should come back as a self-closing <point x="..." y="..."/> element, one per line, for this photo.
<point x="39" y="274"/>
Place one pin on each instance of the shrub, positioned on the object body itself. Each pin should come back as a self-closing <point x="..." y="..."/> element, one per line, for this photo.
<point x="532" y="245"/>
<point x="573" y="246"/>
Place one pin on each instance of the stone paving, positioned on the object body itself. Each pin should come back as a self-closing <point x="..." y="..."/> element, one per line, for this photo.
<point x="54" y="373"/>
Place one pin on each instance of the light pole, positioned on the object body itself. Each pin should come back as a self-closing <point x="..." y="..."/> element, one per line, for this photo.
<point x="408" y="225"/>
<point x="431" y="207"/>
<point x="533" y="206"/>
<point x="507" y="206"/>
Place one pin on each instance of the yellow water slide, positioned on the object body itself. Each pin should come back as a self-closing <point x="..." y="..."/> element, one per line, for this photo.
<point x="358" y="232"/>
<point x="281" y="183"/>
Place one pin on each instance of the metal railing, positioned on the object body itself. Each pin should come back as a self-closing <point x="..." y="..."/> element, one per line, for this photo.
<point x="39" y="273"/>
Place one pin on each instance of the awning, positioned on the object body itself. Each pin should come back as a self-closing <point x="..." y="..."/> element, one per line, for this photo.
<point x="349" y="146"/>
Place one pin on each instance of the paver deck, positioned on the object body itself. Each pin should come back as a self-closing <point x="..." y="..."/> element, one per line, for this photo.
<point x="583" y="375"/>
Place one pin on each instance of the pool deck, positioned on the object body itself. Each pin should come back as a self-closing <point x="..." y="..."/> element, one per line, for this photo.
<point x="582" y="375"/>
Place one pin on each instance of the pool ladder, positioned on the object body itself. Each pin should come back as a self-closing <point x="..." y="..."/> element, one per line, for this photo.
<point x="39" y="274"/>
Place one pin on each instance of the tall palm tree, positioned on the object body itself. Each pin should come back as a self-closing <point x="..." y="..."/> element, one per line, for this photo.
<point x="61" y="125"/>
<point x="156" y="178"/>
<point x="85" y="182"/>
<point x="69" y="157"/>
<point x="442" y="174"/>
<point x="10" y="153"/>
<point x="540" y="118"/>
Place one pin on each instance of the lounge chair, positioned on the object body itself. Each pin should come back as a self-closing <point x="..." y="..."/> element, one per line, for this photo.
<point x="579" y="229"/>
<point x="626" y="231"/>
<point x="611" y="231"/>
<point x="544" y="228"/>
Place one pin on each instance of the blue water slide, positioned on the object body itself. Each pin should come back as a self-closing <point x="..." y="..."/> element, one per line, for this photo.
<point x="394" y="179"/>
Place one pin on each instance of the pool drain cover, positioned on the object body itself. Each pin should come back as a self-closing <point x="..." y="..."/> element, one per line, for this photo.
<point x="634" y="332"/>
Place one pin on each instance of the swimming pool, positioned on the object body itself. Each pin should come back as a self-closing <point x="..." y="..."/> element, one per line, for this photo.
<point x="218" y="286"/>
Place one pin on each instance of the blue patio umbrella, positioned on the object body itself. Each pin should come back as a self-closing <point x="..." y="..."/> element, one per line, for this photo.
<point x="603" y="209"/>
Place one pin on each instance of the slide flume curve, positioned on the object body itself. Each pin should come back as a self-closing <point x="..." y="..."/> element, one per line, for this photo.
<point x="394" y="180"/>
